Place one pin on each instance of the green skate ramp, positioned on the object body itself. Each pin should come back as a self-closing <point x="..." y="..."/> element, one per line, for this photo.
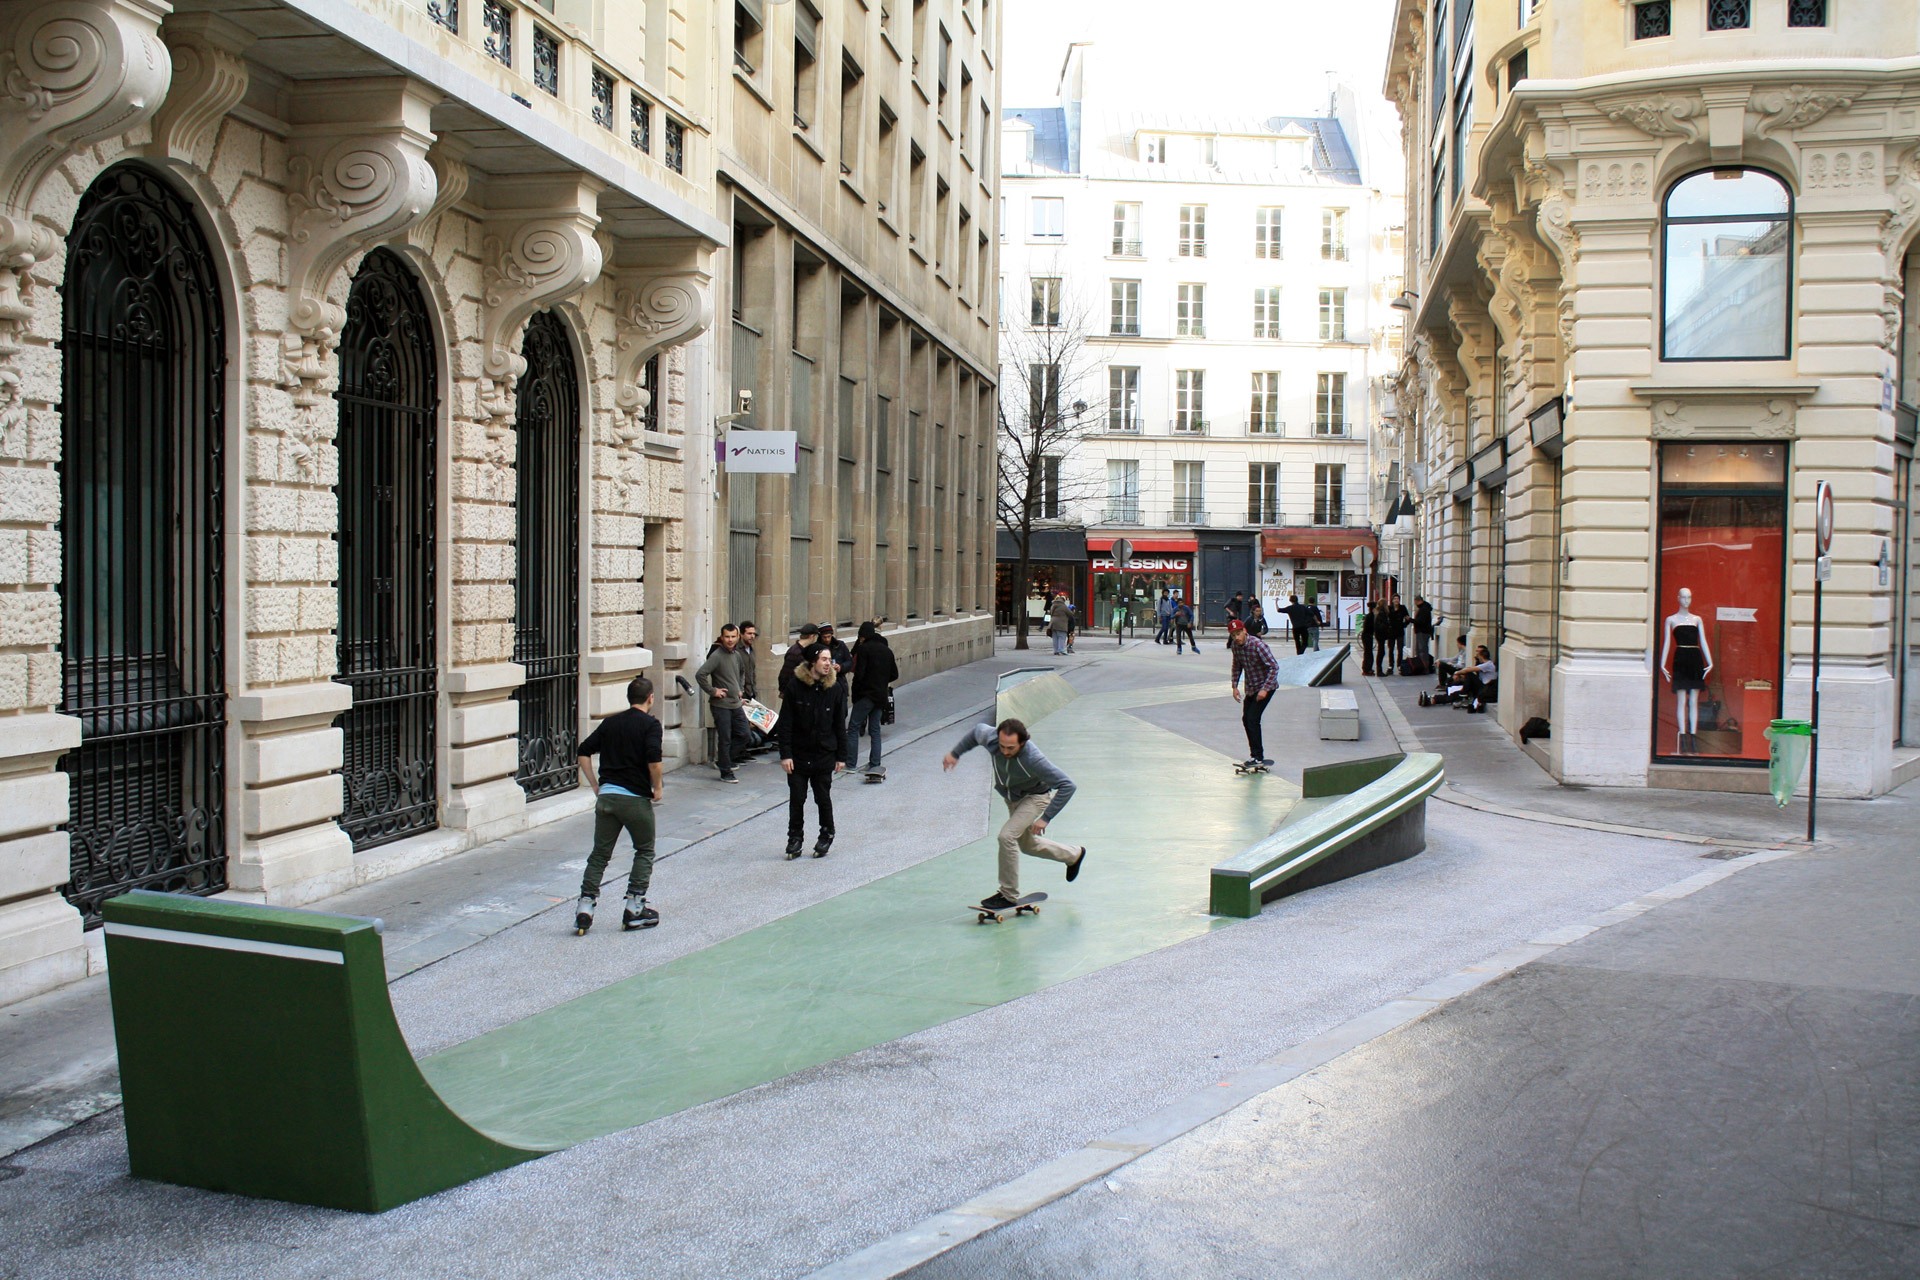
<point x="317" y="1098"/>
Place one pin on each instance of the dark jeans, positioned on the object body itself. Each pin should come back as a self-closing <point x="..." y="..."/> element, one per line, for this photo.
<point x="1445" y="672"/>
<point x="730" y="730"/>
<point x="866" y="718"/>
<point x="1396" y="653"/>
<point x="818" y="775"/>
<point x="611" y="815"/>
<point x="1299" y="640"/>
<point x="1252" y="707"/>
<point x="1183" y="635"/>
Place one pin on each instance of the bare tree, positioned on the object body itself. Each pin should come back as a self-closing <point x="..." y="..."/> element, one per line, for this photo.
<point x="1047" y="367"/>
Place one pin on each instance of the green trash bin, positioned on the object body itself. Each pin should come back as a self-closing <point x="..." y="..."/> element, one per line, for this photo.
<point x="1789" y="743"/>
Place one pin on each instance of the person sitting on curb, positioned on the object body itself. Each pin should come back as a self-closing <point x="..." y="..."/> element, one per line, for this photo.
<point x="1035" y="791"/>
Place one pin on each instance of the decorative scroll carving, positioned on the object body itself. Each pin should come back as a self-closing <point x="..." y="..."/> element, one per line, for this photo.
<point x="1767" y="419"/>
<point x="1906" y="205"/>
<point x="1557" y="232"/>
<point x="71" y="73"/>
<point x="347" y="190"/>
<point x="209" y="79"/>
<point x="539" y="262"/>
<point x="1797" y="106"/>
<point x="1662" y="116"/>
<point x="448" y="160"/>
<point x="652" y="313"/>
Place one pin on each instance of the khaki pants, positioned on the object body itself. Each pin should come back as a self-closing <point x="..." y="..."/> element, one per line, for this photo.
<point x="1016" y="839"/>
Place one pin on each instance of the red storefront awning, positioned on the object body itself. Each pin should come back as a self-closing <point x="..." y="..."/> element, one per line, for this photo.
<point x="1188" y="546"/>
<point x="1315" y="544"/>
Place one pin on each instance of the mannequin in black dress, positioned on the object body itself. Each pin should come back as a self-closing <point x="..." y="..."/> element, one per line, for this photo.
<point x="1685" y="660"/>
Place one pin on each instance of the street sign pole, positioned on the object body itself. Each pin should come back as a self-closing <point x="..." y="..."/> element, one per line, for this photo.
<point x="1822" y="569"/>
<point x="1122" y="556"/>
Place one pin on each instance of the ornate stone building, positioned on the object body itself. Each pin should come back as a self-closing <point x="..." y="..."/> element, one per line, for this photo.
<point x="1660" y="257"/>
<point x="356" y="414"/>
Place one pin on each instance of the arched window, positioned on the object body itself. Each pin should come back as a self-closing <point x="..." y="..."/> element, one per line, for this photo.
<point x="143" y="372"/>
<point x="1727" y="278"/>
<point x="546" y="622"/>
<point x="389" y="401"/>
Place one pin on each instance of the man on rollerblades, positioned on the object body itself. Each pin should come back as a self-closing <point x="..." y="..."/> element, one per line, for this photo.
<point x="1254" y="660"/>
<point x="1035" y="791"/>
<point x="628" y="786"/>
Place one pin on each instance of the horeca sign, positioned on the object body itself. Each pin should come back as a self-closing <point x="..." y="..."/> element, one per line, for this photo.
<point x="1143" y="564"/>
<point x="767" y="451"/>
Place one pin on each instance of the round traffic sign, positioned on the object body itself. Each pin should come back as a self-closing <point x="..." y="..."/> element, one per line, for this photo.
<point x="1122" y="552"/>
<point x="1823" y="518"/>
<point x="1363" y="556"/>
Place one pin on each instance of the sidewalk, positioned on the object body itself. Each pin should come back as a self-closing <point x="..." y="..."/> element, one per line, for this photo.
<point x="57" y="1064"/>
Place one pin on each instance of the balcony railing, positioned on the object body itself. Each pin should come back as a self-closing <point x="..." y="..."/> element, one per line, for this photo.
<point x="1123" y="426"/>
<point x="1326" y="429"/>
<point x="1266" y="427"/>
<point x="1193" y="248"/>
<point x="1263" y="515"/>
<point x="1189" y="427"/>
<point x="1124" y="329"/>
<point x="1123" y="511"/>
<point x="1184" y="513"/>
<point x="1129" y="249"/>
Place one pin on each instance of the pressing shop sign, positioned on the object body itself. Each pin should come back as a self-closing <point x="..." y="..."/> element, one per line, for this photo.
<point x="775" y="451"/>
<point x="1143" y="564"/>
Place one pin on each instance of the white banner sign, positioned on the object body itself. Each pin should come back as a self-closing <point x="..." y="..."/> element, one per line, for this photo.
<point x="774" y="451"/>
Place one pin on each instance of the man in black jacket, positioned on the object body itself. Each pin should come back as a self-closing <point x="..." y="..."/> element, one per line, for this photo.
<point x="874" y="671"/>
<point x="1300" y="620"/>
<point x="628" y="786"/>
<point x="1396" y="647"/>
<point x="812" y="732"/>
<point x="795" y="655"/>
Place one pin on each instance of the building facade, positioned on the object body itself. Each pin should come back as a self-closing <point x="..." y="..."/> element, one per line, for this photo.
<point x="360" y="389"/>
<point x="1215" y="290"/>
<point x="1660" y="257"/>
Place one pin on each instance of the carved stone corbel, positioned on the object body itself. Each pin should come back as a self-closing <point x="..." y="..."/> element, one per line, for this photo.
<point x="209" y="79"/>
<point x="657" y="306"/>
<point x="531" y="259"/>
<point x="350" y="186"/>
<point x="448" y="160"/>
<point x="72" y="73"/>
<point x="1660" y="116"/>
<point x="1797" y="106"/>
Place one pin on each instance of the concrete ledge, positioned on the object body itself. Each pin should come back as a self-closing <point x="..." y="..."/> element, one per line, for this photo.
<point x="1375" y="816"/>
<point x="1707" y="777"/>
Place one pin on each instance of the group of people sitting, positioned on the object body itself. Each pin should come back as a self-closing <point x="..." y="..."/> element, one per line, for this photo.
<point x="1469" y="684"/>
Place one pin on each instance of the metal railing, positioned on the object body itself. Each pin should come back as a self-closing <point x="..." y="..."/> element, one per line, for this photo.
<point x="1129" y="249"/>
<point x="1124" y="329"/>
<point x="1189" y="427"/>
<point x="1123" y="511"/>
<point x="1123" y="426"/>
<point x="1266" y="427"/>
<point x="1183" y="514"/>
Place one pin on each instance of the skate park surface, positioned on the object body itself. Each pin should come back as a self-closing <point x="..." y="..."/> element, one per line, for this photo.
<point x="815" y="1164"/>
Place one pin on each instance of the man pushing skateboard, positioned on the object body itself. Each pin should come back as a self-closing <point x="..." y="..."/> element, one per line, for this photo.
<point x="1035" y="791"/>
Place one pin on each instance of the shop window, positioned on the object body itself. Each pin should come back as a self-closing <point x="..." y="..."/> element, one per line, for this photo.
<point x="1727" y="276"/>
<point x="1717" y="673"/>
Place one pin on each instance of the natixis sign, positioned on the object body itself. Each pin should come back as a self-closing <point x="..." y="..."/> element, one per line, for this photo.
<point x="776" y="451"/>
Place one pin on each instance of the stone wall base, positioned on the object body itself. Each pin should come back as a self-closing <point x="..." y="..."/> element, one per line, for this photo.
<point x="41" y="947"/>
<point x="1856" y="725"/>
<point x="1603" y="719"/>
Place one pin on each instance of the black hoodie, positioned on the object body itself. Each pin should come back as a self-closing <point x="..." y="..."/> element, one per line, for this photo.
<point x="813" y="718"/>
<point x="874" y="670"/>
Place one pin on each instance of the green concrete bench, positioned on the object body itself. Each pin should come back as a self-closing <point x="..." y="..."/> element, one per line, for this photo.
<point x="1352" y="817"/>
<point x="259" y="1055"/>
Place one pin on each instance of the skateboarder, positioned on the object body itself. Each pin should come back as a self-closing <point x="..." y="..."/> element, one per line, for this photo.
<point x="1035" y="791"/>
<point x="628" y="786"/>
<point x="812" y="731"/>
<point x="1252" y="658"/>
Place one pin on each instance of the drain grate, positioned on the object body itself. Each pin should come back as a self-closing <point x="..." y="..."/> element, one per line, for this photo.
<point x="1724" y="855"/>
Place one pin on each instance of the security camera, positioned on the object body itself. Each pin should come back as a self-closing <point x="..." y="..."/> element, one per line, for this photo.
<point x="746" y="401"/>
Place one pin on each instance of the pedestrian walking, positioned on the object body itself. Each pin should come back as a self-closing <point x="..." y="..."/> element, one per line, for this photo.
<point x="842" y="655"/>
<point x="625" y="790"/>
<point x="1073" y="624"/>
<point x="812" y="733"/>
<point x="796" y="653"/>
<point x="1183" y="626"/>
<point x="874" y="671"/>
<point x="1253" y="660"/>
<point x="1163" y="618"/>
<point x="723" y="679"/>
<point x="1256" y="618"/>
<point x="1035" y="790"/>
<point x="1298" y="618"/>
<point x="1059" y="618"/>
<point x="1367" y="637"/>
<point x="1422" y="629"/>
<point x="1236" y="609"/>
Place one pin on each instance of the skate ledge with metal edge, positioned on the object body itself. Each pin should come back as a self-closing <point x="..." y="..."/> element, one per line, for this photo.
<point x="350" y="1123"/>
<point x="1353" y="817"/>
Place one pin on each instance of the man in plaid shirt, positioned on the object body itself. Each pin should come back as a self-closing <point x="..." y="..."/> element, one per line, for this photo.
<point x="1252" y="658"/>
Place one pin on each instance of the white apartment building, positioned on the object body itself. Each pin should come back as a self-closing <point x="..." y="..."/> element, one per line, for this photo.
<point x="1232" y="277"/>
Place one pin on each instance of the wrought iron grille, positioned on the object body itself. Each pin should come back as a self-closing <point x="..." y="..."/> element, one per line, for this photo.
<point x="499" y="23"/>
<point x="1806" y="13"/>
<point x="445" y="12"/>
<point x="602" y="99"/>
<point x="546" y="623"/>
<point x="640" y="116"/>
<point x="142" y="654"/>
<point x="1729" y="15"/>
<point x="1653" y="20"/>
<point x="676" y="153"/>
<point x="546" y="60"/>
<point x="388" y="397"/>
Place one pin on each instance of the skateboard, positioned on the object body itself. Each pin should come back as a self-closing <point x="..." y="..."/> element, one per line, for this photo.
<point x="876" y="775"/>
<point x="1244" y="768"/>
<point x="1027" y="905"/>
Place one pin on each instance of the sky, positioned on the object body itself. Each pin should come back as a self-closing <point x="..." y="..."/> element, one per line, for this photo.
<point x="1229" y="56"/>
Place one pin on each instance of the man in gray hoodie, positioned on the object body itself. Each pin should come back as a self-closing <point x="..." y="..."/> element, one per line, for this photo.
<point x="1035" y="791"/>
<point x="723" y="678"/>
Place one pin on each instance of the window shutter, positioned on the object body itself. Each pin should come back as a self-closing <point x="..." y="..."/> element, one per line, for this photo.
<point x="754" y="10"/>
<point x="806" y="28"/>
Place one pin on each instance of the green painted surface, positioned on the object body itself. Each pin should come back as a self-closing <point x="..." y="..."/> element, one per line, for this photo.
<point x="892" y="957"/>
<point x="1240" y="884"/>
<point x="336" y="1112"/>
<point x="1346" y="776"/>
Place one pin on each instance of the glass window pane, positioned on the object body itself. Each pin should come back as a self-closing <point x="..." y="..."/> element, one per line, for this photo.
<point x="1728" y="193"/>
<point x="1726" y="290"/>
